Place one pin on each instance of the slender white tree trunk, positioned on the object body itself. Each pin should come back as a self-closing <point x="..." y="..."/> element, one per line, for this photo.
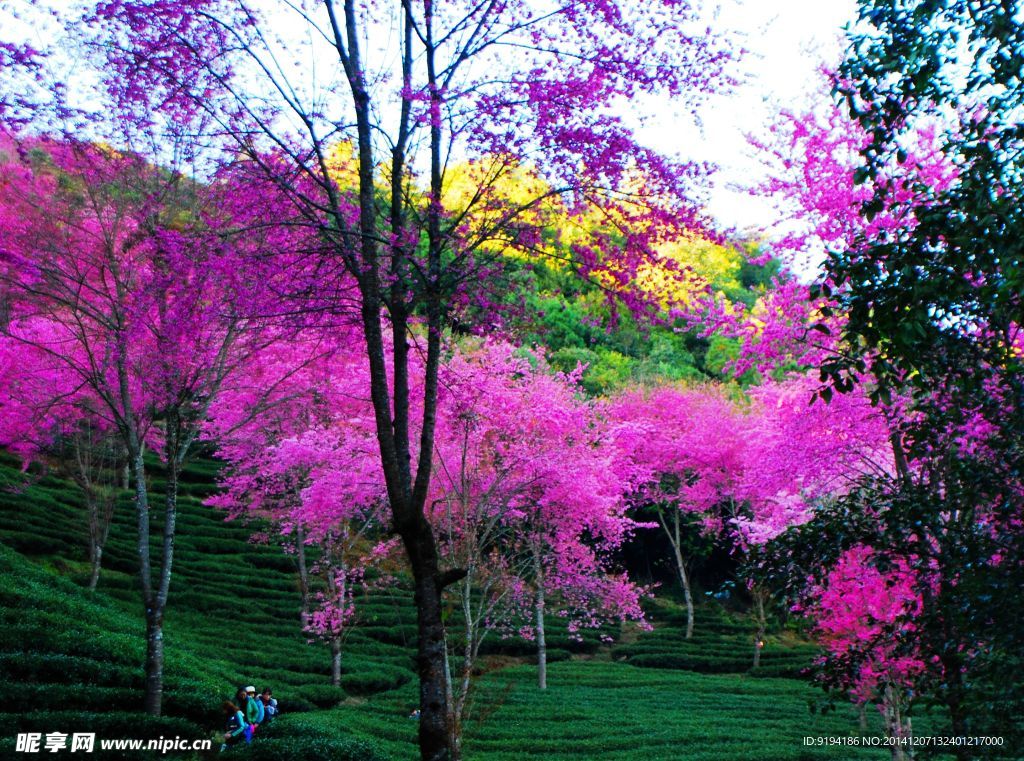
<point x="336" y="660"/>
<point x="542" y="647"/>
<point x="762" y="622"/>
<point x="337" y="579"/>
<point x="673" y="534"/>
<point x="896" y="726"/>
<point x="300" y="559"/>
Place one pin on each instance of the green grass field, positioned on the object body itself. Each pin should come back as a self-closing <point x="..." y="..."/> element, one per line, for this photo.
<point x="605" y="710"/>
<point x="70" y="660"/>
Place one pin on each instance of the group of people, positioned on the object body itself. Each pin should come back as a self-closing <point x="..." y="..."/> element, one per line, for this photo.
<point x="244" y="716"/>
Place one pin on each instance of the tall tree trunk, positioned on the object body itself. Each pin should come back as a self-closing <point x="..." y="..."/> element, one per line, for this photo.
<point x="414" y="529"/>
<point x="154" y="622"/>
<point x="449" y="689"/>
<point x="433" y="730"/>
<point x="895" y="725"/>
<point x="336" y="660"/>
<point x="95" y="561"/>
<point x="542" y="647"/>
<point x="300" y="559"/>
<point x="153" y="698"/>
<point x="155" y="598"/>
<point x="428" y="583"/>
<point x="95" y="542"/>
<point x="457" y="700"/>
<point x="166" y="562"/>
<point x="158" y="600"/>
<point x="455" y="720"/>
<point x="90" y="475"/>
<point x="101" y="514"/>
<point x="762" y="623"/>
<point x="406" y="499"/>
<point x="954" y="691"/>
<point x="684" y="578"/>
<point x="674" y="537"/>
<point x="954" y="703"/>
<point x="337" y="582"/>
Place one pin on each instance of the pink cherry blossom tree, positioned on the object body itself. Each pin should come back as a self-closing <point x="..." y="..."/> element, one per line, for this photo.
<point x="503" y="83"/>
<point x="301" y="454"/>
<point x="800" y="453"/>
<point x="800" y="450"/>
<point x="680" y="450"/>
<point x="527" y="498"/>
<point x="48" y="417"/>
<point x="865" y="208"/>
<point x="864" y="616"/>
<point x="125" y="285"/>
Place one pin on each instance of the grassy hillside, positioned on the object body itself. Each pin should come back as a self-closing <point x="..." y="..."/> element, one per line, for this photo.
<point x="71" y="660"/>
<point x="598" y="709"/>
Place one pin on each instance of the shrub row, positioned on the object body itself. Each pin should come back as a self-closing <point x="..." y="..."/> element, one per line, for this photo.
<point x="378" y="678"/>
<point x="320" y="695"/>
<point x="58" y="667"/>
<point x="705" y="665"/>
<point x="289" y="739"/>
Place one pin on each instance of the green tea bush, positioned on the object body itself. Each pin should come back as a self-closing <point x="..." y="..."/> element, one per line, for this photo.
<point x="378" y="679"/>
<point x="193" y="700"/>
<point x="367" y="646"/>
<point x="321" y="695"/>
<point x="309" y="661"/>
<point x="702" y="664"/>
<point x="91" y="642"/>
<point x="107" y="724"/>
<point x="376" y="614"/>
<point x="208" y="603"/>
<point x="310" y="749"/>
<point x="60" y="668"/>
<point x="41" y="697"/>
<point x="555" y="654"/>
<point x="273" y="562"/>
<point x="781" y="671"/>
<point x="33" y="543"/>
<point x="510" y="646"/>
<point x="395" y="635"/>
<point x="286" y="740"/>
<point x="293" y="704"/>
<point x="210" y="545"/>
<point x="589" y="643"/>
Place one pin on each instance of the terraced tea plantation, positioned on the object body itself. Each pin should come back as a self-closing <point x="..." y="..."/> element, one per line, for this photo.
<point x="71" y="660"/>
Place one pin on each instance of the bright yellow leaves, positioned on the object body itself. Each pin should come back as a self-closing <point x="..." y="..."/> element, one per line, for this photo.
<point x="690" y="266"/>
<point x="496" y="199"/>
<point x="343" y="164"/>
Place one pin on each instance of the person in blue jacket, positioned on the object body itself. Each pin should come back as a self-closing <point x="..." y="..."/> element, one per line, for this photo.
<point x="234" y="725"/>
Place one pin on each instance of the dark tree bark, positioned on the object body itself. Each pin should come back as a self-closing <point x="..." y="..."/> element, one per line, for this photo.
<point x="406" y="493"/>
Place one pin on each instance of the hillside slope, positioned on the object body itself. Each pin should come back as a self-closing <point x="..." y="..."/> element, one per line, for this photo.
<point x="71" y="660"/>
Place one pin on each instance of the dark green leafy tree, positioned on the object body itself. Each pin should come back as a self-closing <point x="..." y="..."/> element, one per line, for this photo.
<point x="933" y="313"/>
